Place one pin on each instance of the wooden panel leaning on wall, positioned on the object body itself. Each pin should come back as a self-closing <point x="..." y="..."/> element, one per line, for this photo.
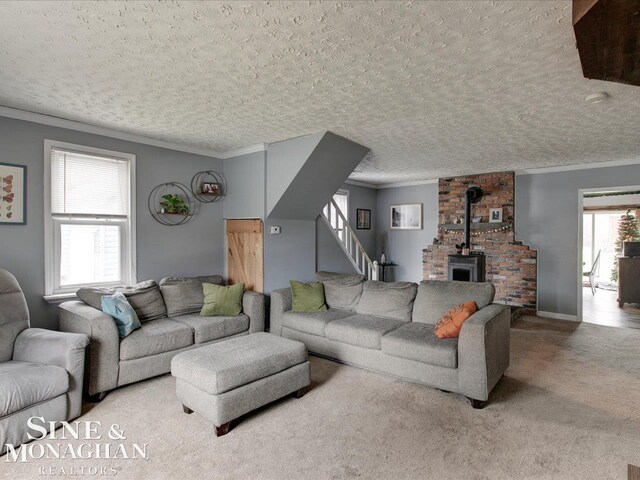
<point x="245" y="253"/>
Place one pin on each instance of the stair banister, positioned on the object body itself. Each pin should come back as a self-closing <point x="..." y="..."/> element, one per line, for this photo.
<point x="348" y="240"/>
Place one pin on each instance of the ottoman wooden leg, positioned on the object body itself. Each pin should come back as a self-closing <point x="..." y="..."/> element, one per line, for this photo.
<point x="299" y="393"/>
<point x="186" y="409"/>
<point x="222" y="429"/>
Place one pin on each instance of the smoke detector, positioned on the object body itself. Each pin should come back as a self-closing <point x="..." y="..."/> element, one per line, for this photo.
<point x="597" y="97"/>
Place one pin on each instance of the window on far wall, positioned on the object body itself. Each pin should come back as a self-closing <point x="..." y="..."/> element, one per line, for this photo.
<point x="341" y="198"/>
<point x="89" y="218"/>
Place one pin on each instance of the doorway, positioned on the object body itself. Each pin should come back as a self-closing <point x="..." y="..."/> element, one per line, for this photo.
<point x="245" y="251"/>
<point x="599" y="249"/>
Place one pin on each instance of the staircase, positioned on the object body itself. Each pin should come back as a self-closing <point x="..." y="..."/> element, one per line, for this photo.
<point x="346" y="237"/>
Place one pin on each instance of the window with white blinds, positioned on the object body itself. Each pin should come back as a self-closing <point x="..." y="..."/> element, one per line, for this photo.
<point x="88" y="184"/>
<point x="90" y="230"/>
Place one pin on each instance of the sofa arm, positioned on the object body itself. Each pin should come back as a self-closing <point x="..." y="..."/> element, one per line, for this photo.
<point x="483" y="350"/>
<point x="253" y="307"/>
<point x="104" y="347"/>
<point x="280" y="303"/>
<point x="65" y="350"/>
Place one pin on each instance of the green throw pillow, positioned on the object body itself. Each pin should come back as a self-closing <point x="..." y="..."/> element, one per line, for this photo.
<point x="222" y="301"/>
<point x="307" y="297"/>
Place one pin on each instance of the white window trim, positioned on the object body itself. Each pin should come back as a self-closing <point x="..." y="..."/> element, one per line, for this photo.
<point x="129" y="270"/>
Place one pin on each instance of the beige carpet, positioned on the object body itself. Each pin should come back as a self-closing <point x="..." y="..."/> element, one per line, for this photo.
<point x="568" y="407"/>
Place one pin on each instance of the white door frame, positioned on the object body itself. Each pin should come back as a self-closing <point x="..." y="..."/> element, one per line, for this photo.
<point x="581" y="193"/>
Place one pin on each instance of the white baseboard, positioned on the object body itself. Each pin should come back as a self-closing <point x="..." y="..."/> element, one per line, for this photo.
<point x="558" y="316"/>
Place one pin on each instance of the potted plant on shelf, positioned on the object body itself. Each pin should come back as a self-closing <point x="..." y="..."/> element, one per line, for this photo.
<point x="173" y="204"/>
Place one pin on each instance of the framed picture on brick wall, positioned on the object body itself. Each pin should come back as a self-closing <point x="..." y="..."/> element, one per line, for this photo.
<point x="495" y="215"/>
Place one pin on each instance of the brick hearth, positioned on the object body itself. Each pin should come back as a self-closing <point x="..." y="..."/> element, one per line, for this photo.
<point x="511" y="266"/>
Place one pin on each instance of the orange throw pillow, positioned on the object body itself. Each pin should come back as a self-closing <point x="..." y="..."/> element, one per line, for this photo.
<point x="451" y="322"/>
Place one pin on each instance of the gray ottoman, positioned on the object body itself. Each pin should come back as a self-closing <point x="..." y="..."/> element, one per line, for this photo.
<point x="225" y="380"/>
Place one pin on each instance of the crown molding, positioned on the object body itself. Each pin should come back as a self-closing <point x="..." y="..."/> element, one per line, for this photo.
<point x="577" y="166"/>
<point x="409" y="184"/>
<point x="358" y="183"/>
<point x="103" y="131"/>
<point x="390" y="185"/>
<point x="260" y="147"/>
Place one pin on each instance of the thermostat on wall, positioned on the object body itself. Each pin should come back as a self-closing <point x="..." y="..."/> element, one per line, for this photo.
<point x="275" y="230"/>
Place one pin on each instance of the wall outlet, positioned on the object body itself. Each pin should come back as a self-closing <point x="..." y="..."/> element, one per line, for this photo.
<point x="275" y="230"/>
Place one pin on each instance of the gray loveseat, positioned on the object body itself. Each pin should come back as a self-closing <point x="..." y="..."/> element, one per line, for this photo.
<point x="389" y="328"/>
<point x="41" y="371"/>
<point x="171" y="323"/>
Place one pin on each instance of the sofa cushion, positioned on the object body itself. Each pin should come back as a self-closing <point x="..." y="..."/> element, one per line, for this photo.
<point x="436" y="297"/>
<point x="361" y="330"/>
<point x="144" y="297"/>
<point x="341" y="290"/>
<point x="307" y="297"/>
<point x="450" y="324"/>
<point x="416" y="341"/>
<point x="207" y="329"/>
<point x="24" y="384"/>
<point x="226" y="365"/>
<point x="123" y="314"/>
<point x="313" y="323"/>
<point x="157" y="336"/>
<point x="184" y="295"/>
<point x="221" y="301"/>
<point x="388" y="300"/>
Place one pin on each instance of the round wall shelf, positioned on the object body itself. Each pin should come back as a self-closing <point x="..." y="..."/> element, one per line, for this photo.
<point x="164" y="212"/>
<point x="208" y="186"/>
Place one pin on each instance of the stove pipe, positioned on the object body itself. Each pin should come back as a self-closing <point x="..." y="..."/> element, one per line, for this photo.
<point x="473" y="195"/>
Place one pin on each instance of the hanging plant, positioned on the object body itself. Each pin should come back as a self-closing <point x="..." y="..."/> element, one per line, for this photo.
<point x="173" y="204"/>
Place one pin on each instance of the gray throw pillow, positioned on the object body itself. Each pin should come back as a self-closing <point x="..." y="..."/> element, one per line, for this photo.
<point x="436" y="297"/>
<point x="388" y="300"/>
<point x="144" y="297"/>
<point x="183" y="296"/>
<point x="341" y="290"/>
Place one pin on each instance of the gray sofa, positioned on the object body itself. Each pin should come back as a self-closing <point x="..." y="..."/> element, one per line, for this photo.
<point x="171" y="323"/>
<point x="41" y="371"/>
<point x="389" y="328"/>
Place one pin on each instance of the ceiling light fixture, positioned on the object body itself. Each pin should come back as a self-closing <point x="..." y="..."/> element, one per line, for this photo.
<point x="597" y="97"/>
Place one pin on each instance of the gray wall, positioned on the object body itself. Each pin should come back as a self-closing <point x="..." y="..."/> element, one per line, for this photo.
<point x="192" y="249"/>
<point x="309" y="164"/>
<point x="290" y="156"/>
<point x="322" y="172"/>
<point x="245" y="176"/>
<point x="290" y="255"/>
<point x="547" y="212"/>
<point x="330" y="257"/>
<point x="404" y="247"/>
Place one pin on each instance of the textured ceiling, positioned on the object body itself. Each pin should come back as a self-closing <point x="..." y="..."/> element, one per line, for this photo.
<point x="434" y="89"/>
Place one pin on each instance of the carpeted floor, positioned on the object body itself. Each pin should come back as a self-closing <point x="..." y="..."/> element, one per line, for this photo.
<point x="567" y="408"/>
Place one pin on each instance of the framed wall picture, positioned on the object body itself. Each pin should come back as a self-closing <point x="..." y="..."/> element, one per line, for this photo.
<point x="406" y="217"/>
<point x="13" y="194"/>
<point x="210" y="188"/>
<point x="363" y="219"/>
<point x="495" y="215"/>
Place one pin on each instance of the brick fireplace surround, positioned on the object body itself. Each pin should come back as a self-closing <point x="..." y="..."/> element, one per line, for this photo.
<point x="511" y="266"/>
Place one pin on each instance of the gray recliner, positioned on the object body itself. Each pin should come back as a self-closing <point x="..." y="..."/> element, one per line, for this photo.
<point x="41" y="371"/>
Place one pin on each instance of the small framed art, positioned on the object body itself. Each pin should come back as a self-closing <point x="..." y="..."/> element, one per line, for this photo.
<point x="363" y="219"/>
<point x="13" y="194"/>
<point x="406" y="217"/>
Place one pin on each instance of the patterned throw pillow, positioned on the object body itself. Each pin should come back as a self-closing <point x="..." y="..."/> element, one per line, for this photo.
<point x="124" y="315"/>
<point x="451" y="322"/>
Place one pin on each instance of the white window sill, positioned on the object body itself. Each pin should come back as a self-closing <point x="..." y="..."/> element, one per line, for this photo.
<point x="59" y="297"/>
